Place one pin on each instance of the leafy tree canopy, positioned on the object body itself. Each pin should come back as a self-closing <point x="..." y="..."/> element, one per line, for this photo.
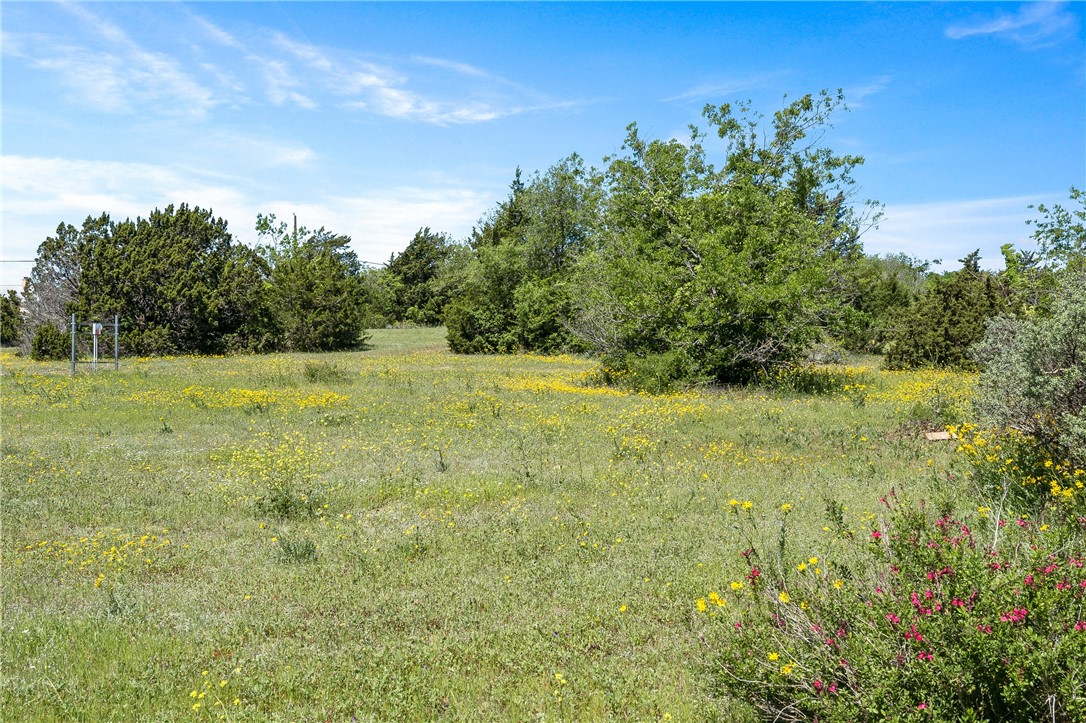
<point x="315" y="293"/>
<point x="722" y="271"/>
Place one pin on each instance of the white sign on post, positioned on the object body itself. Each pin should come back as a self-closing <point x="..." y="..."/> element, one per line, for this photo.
<point x="96" y="329"/>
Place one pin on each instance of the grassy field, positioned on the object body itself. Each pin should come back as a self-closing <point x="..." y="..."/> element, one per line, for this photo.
<point x="405" y="534"/>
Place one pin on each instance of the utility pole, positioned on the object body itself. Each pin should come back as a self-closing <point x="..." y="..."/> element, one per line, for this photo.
<point x="295" y="229"/>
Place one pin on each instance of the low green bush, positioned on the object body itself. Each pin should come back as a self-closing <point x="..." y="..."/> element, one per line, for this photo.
<point x="328" y="373"/>
<point x="49" y="343"/>
<point x="1035" y="372"/>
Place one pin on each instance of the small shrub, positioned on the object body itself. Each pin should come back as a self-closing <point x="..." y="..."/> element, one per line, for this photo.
<point x="655" y="373"/>
<point x="848" y="382"/>
<point x="323" y="372"/>
<point x="300" y="551"/>
<point x="1013" y="470"/>
<point x="50" y="343"/>
<point x="281" y="477"/>
<point x="1035" y="373"/>
<point x="944" y="404"/>
<point x="922" y="616"/>
<point x="283" y="501"/>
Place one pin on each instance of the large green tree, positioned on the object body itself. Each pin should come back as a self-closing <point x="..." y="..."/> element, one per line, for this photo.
<point x="941" y="325"/>
<point x="514" y="292"/>
<point x="717" y="273"/>
<point x="315" y="290"/>
<point x="177" y="279"/>
<point x="11" y="319"/>
<point x="54" y="283"/>
<point x="413" y="279"/>
<point x="879" y="288"/>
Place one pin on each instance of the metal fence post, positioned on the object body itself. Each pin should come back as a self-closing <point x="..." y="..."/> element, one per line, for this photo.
<point x="116" y="341"/>
<point x="73" y="345"/>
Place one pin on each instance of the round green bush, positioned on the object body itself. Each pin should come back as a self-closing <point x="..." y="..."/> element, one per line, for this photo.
<point x="49" y="343"/>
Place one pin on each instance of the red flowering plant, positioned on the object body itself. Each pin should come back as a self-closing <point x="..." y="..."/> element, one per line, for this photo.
<point x="927" y="615"/>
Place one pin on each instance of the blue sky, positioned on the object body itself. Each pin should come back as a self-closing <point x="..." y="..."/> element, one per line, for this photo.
<point x="376" y="119"/>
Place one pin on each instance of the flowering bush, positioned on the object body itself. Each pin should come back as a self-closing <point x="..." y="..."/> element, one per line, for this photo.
<point x="1012" y="469"/>
<point x="924" y="616"/>
<point x="822" y="380"/>
<point x="281" y="477"/>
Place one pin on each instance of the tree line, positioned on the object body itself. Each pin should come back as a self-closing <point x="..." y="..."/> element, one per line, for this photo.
<point x="707" y="259"/>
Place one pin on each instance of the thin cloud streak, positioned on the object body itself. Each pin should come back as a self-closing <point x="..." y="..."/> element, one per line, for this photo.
<point x="855" y="96"/>
<point x="382" y="90"/>
<point x="120" y="77"/>
<point x="1036" y="24"/>
<point x="728" y="88"/>
<point x="153" y="76"/>
<point x="110" y="72"/>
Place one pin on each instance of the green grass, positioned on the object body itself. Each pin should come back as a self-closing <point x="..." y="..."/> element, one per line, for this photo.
<point x="400" y="533"/>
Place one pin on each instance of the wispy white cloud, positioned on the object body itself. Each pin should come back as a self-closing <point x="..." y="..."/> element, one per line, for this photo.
<point x="70" y="189"/>
<point x="951" y="230"/>
<point x="112" y="73"/>
<point x="39" y="193"/>
<point x="856" y="95"/>
<point x="1035" y="24"/>
<point x="281" y="84"/>
<point x="382" y="222"/>
<point x="43" y="192"/>
<point x="107" y="70"/>
<point x="726" y="89"/>
<point x="216" y="33"/>
<point x="252" y="152"/>
<point x="384" y="90"/>
<point x="455" y="66"/>
<point x="154" y="76"/>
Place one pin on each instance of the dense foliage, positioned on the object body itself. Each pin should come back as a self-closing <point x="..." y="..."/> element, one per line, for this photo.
<point x="514" y="291"/>
<point x="415" y="290"/>
<point x="670" y="269"/>
<point x="1035" y="373"/>
<point x="879" y="288"/>
<point x="924" y="615"/>
<point x="934" y="613"/>
<point x="314" y="294"/>
<point x="177" y="278"/>
<point x="940" y="327"/>
<point x="181" y="284"/>
<point x="724" y="272"/>
<point x="49" y="343"/>
<point x="11" y="318"/>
